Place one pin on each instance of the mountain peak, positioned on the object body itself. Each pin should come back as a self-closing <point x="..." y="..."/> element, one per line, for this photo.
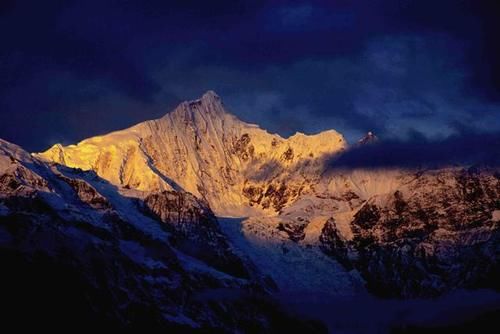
<point x="368" y="138"/>
<point x="210" y="95"/>
<point x="202" y="148"/>
<point x="208" y="103"/>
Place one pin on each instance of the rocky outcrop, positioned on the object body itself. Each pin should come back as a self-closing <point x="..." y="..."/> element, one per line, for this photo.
<point x="294" y="230"/>
<point x="334" y="244"/>
<point x="273" y="196"/>
<point x="195" y="230"/>
<point x="86" y="193"/>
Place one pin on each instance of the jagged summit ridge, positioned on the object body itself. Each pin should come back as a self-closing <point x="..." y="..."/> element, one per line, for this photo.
<point x="209" y="103"/>
<point x="201" y="148"/>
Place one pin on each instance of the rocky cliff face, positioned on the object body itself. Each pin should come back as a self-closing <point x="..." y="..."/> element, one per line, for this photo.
<point x="195" y="230"/>
<point x="78" y="252"/>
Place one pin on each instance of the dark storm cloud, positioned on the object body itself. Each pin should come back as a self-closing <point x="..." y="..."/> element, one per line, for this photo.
<point x="72" y="69"/>
<point x="469" y="148"/>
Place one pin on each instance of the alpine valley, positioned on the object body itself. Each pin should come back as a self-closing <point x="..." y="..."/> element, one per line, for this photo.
<point x="198" y="221"/>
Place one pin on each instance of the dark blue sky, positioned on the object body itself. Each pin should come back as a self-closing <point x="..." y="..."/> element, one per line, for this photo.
<point x="73" y="69"/>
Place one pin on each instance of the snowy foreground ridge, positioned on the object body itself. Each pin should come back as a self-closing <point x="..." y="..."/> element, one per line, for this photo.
<point x="290" y="222"/>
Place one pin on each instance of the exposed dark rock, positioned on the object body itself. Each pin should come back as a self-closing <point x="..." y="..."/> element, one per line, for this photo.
<point x="20" y="178"/>
<point x="334" y="245"/>
<point x="295" y="230"/>
<point x="195" y="230"/>
<point x="276" y="195"/>
<point x="253" y="193"/>
<point x="440" y="238"/>
<point x="242" y="147"/>
<point x="86" y="193"/>
<point x="287" y="155"/>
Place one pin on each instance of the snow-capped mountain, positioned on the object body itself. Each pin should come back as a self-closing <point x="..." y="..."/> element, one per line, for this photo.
<point x="201" y="148"/>
<point x="296" y="199"/>
<point x="290" y="219"/>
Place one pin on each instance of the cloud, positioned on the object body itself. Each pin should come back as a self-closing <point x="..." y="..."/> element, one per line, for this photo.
<point x="467" y="148"/>
<point x="307" y="17"/>
<point x="396" y="84"/>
